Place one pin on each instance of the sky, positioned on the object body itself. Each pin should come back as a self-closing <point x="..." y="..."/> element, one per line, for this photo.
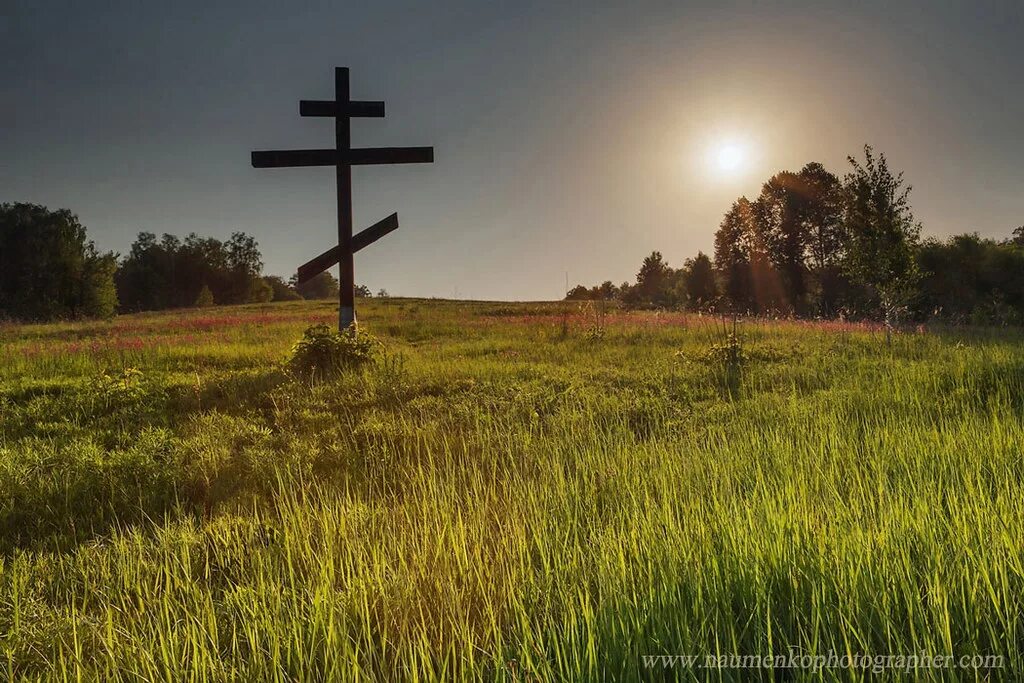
<point x="569" y="138"/>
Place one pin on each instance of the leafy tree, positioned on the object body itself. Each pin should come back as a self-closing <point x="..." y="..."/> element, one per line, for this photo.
<point x="820" y="212"/>
<point x="205" y="298"/>
<point x="628" y="294"/>
<point x="98" y="291"/>
<point x="699" y="277"/>
<point x="1018" y="236"/>
<point x="653" y="280"/>
<point x="280" y="290"/>
<point x="732" y="259"/>
<point x="322" y="286"/>
<point x="260" y="291"/>
<point x="50" y="269"/>
<point x="245" y="264"/>
<point x="363" y="291"/>
<point x="243" y="254"/>
<point x="813" y="243"/>
<point x="577" y="293"/>
<point x="970" y="279"/>
<point x="675" y="293"/>
<point x="606" y="291"/>
<point x="766" y="285"/>
<point x="382" y="293"/>
<point x="880" y="233"/>
<point x="783" y="236"/>
<point x="169" y="272"/>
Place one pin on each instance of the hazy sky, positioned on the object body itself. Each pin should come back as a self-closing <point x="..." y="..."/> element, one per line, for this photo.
<point x="568" y="136"/>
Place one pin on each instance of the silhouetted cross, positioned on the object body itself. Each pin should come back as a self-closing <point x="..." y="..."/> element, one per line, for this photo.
<point x="343" y="158"/>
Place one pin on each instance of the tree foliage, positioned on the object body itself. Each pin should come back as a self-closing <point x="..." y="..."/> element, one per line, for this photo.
<point x="732" y="255"/>
<point x="815" y="244"/>
<point x="879" y="233"/>
<point x="699" y="279"/>
<point x="321" y="286"/>
<point x="782" y="239"/>
<point x="205" y="298"/>
<point x="280" y="290"/>
<point x="653" y="282"/>
<point x="171" y="273"/>
<point x="968" y="279"/>
<point x="49" y="268"/>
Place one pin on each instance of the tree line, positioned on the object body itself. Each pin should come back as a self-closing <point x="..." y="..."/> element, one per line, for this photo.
<point x="813" y="244"/>
<point x="50" y="270"/>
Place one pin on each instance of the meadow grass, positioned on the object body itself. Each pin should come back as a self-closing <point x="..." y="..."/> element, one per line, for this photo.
<point x="512" y="492"/>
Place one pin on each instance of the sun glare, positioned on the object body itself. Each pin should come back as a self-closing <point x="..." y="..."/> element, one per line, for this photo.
<point x="730" y="158"/>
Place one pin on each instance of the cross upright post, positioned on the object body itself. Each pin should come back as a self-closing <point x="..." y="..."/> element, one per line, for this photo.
<point x="343" y="169"/>
<point x="343" y="158"/>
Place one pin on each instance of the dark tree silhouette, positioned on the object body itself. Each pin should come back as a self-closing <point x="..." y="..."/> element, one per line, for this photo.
<point x="280" y="290"/>
<point x="699" y="276"/>
<point x="813" y="244"/>
<point x="732" y="260"/>
<point x="782" y="235"/>
<point x="170" y="273"/>
<point x="821" y="215"/>
<point x="879" y="233"/>
<point x="653" y="280"/>
<point x="50" y="269"/>
<point x="322" y="286"/>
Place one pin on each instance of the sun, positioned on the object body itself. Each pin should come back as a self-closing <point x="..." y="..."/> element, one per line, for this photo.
<point x="730" y="157"/>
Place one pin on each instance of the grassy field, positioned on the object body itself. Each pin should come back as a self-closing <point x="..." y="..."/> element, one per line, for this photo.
<point x="510" y="493"/>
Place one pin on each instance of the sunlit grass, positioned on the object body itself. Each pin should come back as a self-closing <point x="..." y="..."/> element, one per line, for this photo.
<point x="505" y="496"/>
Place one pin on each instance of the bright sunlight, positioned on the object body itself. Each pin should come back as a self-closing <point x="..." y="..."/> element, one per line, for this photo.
<point x="730" y="158"/>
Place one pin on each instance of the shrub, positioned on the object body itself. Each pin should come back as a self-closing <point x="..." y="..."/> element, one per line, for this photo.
<point x="323" y="353"/>
<point x="724" y="360"/>
<point x="728" y="354"/>
<point x="205" y="298"/>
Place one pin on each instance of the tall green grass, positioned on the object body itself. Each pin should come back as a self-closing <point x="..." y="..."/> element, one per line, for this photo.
<point x="496" y="500"/>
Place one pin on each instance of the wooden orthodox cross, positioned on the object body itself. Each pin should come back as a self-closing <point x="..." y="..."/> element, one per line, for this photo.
<point x="343" y="158"/>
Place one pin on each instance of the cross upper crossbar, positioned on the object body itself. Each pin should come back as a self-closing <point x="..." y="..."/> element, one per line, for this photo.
<point x="365" y="156"/>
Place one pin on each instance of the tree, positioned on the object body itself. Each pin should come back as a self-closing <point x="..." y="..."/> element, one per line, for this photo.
<point x="699" y="277"/>
<point x="783" y="236"/>
<point x="200" y="260"/>
<point x="653" y="280"/>
<point x="98" y="291"/>
<point x="880" y="233"/>
<point x="260" y="291"/>
<point x="169" y="273"/>
<point x="204" y="298"/>
<point x="363" y="291"/>
<point x="820" y="212"/>
<point x="382" y="293"/>
<point x="577" y="293"/>
<point x="245" y="263"/>
<point x="628" y="294"/>
<point x="732" y="260"/>
<point x="50" y="269"/>
<point x="322" y="286"/>
<point x="970" y="279"/>
<point x="1018" y="236"/>
<point x="281" y="290"/>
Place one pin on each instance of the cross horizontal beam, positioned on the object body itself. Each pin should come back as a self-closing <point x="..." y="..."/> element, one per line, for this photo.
<point x="356" y="108"/>
<point x="328" y="157"/>
<point x="294" y="157"/>
<point x="365" y="238"/>
<point x="366" y="156"/>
